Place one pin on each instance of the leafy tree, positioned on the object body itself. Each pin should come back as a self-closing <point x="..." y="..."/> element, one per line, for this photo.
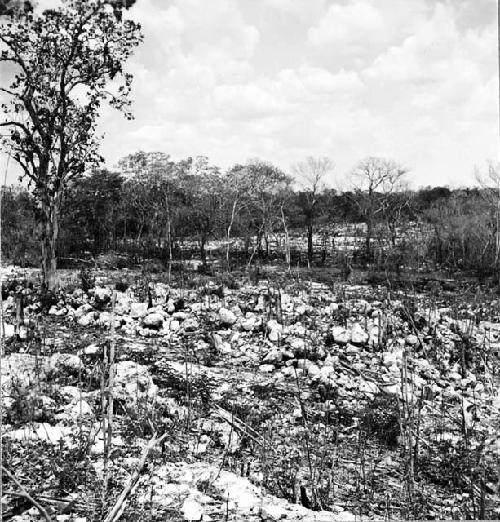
<point x="201" y="185"/>
<point x="152" y="192"/>
<point x="65" y="63"/>
<point x="19" y="223"/>
<point x="14" y="7"/>
<point x="91" y="212"/>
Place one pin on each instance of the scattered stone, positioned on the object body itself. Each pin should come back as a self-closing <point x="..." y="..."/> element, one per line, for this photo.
<point x="192" y="510"/>
<point x="138" y="310"/>
<point x="133" y="382"/>
<point x="411" y="340"/>
<point x="65" y="361"/>
<point x="154" y="320"/>
<point x="87" y="319"/>
<point x="227" y="317"/>
<point x="340" y="335"/>
<point x="358" y="335"/>
<point x="8" y="330"/>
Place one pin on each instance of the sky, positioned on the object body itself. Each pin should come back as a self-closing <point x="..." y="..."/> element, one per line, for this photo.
<point x="411" y="80"/>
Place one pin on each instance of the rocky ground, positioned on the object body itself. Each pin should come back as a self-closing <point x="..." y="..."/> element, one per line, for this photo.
<point x="280" y="399"/>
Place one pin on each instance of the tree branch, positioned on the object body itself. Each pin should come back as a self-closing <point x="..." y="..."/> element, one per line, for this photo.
<point x="24" y="493"/>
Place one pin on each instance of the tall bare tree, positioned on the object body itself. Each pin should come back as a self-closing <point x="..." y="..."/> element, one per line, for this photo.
<point x="375" y="180"/>
<point x="311" y="175"/>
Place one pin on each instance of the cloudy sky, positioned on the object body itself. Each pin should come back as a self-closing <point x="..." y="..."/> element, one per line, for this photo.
<point x="413" y="80"/>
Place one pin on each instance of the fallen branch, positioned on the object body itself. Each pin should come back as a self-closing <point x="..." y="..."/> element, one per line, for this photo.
<point x="238" y="424"/>
<point x="24" y="494"/>
<point x="365" y="375"/>
<point x="119" y="506"/>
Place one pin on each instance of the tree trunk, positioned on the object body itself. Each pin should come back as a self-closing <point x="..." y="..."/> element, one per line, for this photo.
<point x="310" y="243"/>
<point x="203" y="253"/>
<point x="368" y="240"/>
<point x="287" y="240"/>
<point x="228" y="236"/>
<point x="50" y="233"/>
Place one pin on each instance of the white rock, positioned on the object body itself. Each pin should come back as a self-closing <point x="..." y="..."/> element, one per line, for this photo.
<point x="331" y="360"/>
<point x="275" y="330"/>
<point x="192" y="509"/>
<point x="174" y="326"/>
<point x="392" y="358"/>
<point x="249" y="323"/>
<point x="102" y="294"/>
<point x="43" y="431"/>
<point x="191" y="324"/>
<point x="313" y="371"/>
<point x="340" y="335"/>
<point x="154" y="320"/>
<point x="273" y="512"/>
<point x="229" y="438"/>
<point x="9" y="330"/>
<point x="273" y="357"/>
<point x="327" y="373"/>
<point x="411" y="340"/>
<point x="87" y="319"/>
<point x="122" y="304"/>
<point x="350" y="349"/>
<point x="82" y="310"/>
<point x="227" y="316"/>
<point x="78" y="409"/>
<point x="301" y="309"/>
<point x="133" y="382"/>
<point x="274" y="336"/>
<point x="66" y="361"/>
<point x="105" y="319"/>
<point x="297" y="344"/>
<point x="358" y="335"/>
<point x="138" y="310"/>
<point x="91" y="349"/>
<point x="392" y="389"/>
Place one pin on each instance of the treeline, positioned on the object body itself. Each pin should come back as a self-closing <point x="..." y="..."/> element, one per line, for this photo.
<point x="153" y="207"/>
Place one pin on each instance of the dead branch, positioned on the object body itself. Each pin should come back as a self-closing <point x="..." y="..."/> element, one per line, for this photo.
<point x="119" y="506"/>
<point x="24" y="494"/>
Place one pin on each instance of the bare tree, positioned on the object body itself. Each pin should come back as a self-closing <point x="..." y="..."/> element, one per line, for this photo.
<point x="375" y="180"/>
<point x="311" y="175"/>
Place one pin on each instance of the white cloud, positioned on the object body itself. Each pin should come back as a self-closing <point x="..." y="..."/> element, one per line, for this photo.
<point x="358" y="29"/>
<point x="400" y="79"/>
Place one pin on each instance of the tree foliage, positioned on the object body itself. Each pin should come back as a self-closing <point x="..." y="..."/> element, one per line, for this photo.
<point x="64" y="64"/>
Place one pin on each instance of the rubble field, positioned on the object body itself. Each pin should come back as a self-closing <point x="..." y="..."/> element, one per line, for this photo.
<point x="215" y="398"/>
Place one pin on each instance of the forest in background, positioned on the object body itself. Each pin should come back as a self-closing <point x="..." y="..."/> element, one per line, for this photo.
<point x="151" y="207"/>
